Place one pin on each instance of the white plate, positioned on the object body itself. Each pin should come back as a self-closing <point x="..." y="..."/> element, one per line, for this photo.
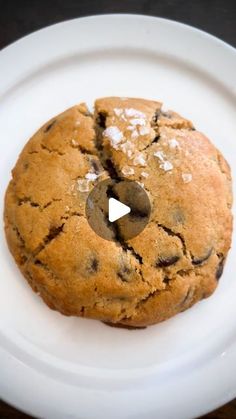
<point x="58" y="367"/>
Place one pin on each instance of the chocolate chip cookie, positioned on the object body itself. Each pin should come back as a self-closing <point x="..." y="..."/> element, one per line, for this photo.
<point x="174" y="262"/>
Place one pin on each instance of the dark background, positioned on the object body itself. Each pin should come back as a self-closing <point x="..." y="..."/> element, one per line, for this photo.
<point x="19" y="18"/>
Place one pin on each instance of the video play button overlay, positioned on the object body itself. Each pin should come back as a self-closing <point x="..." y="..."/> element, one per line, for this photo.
<point x="118" y="210"/>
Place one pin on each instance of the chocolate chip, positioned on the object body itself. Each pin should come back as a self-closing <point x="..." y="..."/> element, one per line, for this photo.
<point x="220" y="269"/>
<point x="38" y="262"/>
<point x="199" y="261"/>
<point x="93" y="265"/>
<point x="163" y="262"/>
<point x="124" y="273"/>
<point x="166" y="280"/>
<point x="49" y="126"/>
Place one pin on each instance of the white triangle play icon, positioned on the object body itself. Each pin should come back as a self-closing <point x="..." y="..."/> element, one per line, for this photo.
<point x="116" y="209"/>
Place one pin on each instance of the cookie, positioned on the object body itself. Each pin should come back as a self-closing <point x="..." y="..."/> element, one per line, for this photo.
<point x="174" y="262"/>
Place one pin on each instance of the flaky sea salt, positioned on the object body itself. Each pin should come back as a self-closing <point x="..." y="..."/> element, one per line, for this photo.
<point x="166" y="165"/>
<point x="83" y="185"/>
<point x="134" y="134"/>
<point x="77" y="122"/>
<point x="139" y="160"/>
<point x="130" y="128"/>
<point x="144" y="130"/>
<point x="91" y="176"/>
<point x="173" y="143"/>
<point x="131" y="112"/>
<point x="114" y="134"/>
<point x="127" y="171"/>
<point x="187" y="177"/>
<point x="127" y="148"/>
<point x="118" y="111"/>
<point x="73" y="142"/>
<point x="159" y="155"/>
<point x="144" y="174"/>
<point x="141" y="184"/>
<point x="137" y="121"/>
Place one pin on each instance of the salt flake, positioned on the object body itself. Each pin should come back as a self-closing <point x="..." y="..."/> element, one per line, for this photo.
<point x="138" y="121"/>
<point x="139" y="160"/>
<point x="134" y="134"/>
<point x="144" y="174"/>
<point x="91" y="176"/>
<point x="118" y="111"/>
<point x="127" y="148"/>
<point x="131" y="112"/>
<point x="187" y="177"/>
<point x="159" y="154"/>
<point x="144" y="130"/>
<point x="166" y="166"/>
<point x="127" y="171"/>
<point x="173" y="143"/>
<point x="114" y="135"/>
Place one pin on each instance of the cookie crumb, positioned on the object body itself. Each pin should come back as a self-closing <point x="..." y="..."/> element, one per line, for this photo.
<point x="187" y="177"/>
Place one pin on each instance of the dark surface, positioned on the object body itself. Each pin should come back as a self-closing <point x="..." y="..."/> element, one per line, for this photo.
<point x="18" y="18"/>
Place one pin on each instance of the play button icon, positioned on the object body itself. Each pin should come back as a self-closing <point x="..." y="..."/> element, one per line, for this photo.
<point x="118" y="209"/>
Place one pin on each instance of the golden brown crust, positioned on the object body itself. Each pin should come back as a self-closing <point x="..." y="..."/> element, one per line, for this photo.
<point x="173" y="263"/>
